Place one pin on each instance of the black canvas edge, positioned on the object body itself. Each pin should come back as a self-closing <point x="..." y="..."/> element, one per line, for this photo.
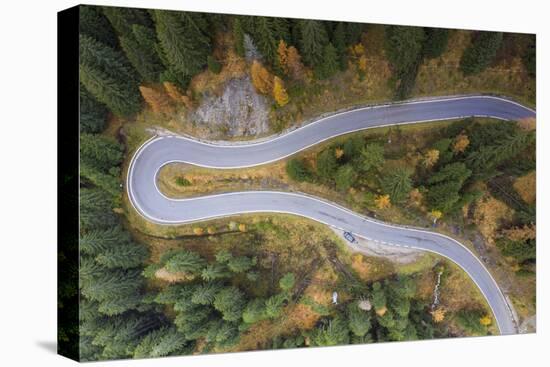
<point x="68" y="128"/>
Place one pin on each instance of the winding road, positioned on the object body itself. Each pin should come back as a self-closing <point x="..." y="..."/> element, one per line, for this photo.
<point x="161" y="150"/>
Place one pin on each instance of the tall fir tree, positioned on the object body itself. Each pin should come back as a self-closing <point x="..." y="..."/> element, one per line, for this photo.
<point x="140" y="48"/>
<point x="107" y="76"/>
<point x="481" y="52"/>
<point x="313" y="40"/>
<point x="93" y="23"/>
<point x="184" y="40"/>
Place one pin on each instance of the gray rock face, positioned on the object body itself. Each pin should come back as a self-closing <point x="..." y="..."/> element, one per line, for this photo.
<point x="239" y="111"/>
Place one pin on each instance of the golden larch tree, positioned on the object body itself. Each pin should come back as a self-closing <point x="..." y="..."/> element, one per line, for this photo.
<point x="159" y="101"/>
<point x="485" y="320"/>
<point x="261" y="78"/>
<point x="438" y="315"/>
<point x="338" y="153"/>
<point x="279" y="92"/>
<point x="521" y="234"/>
<point x="173" y="91"/>
<point x="461" y="143"/>
<point x="294" y="63"/>
<point x="431" y="157"/>
<point x="526" y="187"/>
<point x="382" y="201"/>
<point x="282" y="53"/>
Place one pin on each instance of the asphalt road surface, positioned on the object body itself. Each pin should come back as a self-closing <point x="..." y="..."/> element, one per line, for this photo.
<point x="159" y="151"/>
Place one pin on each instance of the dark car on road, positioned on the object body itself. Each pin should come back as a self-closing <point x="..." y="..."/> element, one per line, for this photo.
<point x="348" y="236"/>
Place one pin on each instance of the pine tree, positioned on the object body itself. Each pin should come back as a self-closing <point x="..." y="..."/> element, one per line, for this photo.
<point x="124" y="255"/>
<point x="107" y="76"/>
<point x="238" y="37"/>
<point x="482" y="51"/>
<point x="358" y="320"/>
<point x="100" y="152"/>
<point x="254" y="311"/>
<point x="94" y="24"/>
<point x="335" y="332"/>
<point x="265" y="38"/>
<point x="186" y="262"/>
<point x="345" y="177"/>
<point x="403" y="47"/>
<point x="95" y="210"/>
<point x="326" y="165"/>
<point x="436" y="42"/>
<point x="204" y="293"/>
<point x="297" y="170"/>
<point x="274" y="305"/>
<point x="339" y="41"/>
<point x="313" y="40"/>
<point x="240" y="264"/>
<point x="279" y="92"/>
<point x="106" y="181"/>
<point x="184" y="40"/>
<point x="230" y="302"/>
<point x="93" y="115"/>
<point x="286" y="283"/>
<point x="140" y="49"/>
<point x="96" y="241"/>
<point x="215" y="271"/>
<point x="397" y="183"/>
<point x="171" y="341"/>
<point x="329" y="65"/>
<point x="122" y="19"/>
<point x="372" y="157"/>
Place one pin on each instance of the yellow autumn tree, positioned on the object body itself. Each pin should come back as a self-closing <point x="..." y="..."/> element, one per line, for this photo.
<point x="279" y="92"/>
<point x="416" y="197"/>
<point x="382" y="201"/>
<point x="461" y="143"/>
<point x="438" y="315"/>
<point x="282" y="53"/>
<point x="526" y="187"/>
<point x="488" y="215"/>
<point x="210" y="230"/>
<point x="198" y="231"/>
<point x="521" y="234"/>
<point x="242" y="227"/>
<point x="338" y="152"/>
<point x="294" y="63"/>
<point x="261" y="78"/>
<point x="157" y="100"/>
<point x="435" y="215"/>
<point x="485" y="320"/>
<point x="431" y="157"/>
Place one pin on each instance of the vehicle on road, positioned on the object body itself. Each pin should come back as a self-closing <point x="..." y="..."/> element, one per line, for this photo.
<point x="349" y="236"/>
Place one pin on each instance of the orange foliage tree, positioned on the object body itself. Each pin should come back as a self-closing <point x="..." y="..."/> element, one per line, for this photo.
<point x="294" y="63"/>
<point x="282" y="53"/>
<point x="261" y="78"/>
<point x="158" y="100"/>
<point x="173" y="91"/>
<point x="382" y="201"/>
<point x="526" y="187"/>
